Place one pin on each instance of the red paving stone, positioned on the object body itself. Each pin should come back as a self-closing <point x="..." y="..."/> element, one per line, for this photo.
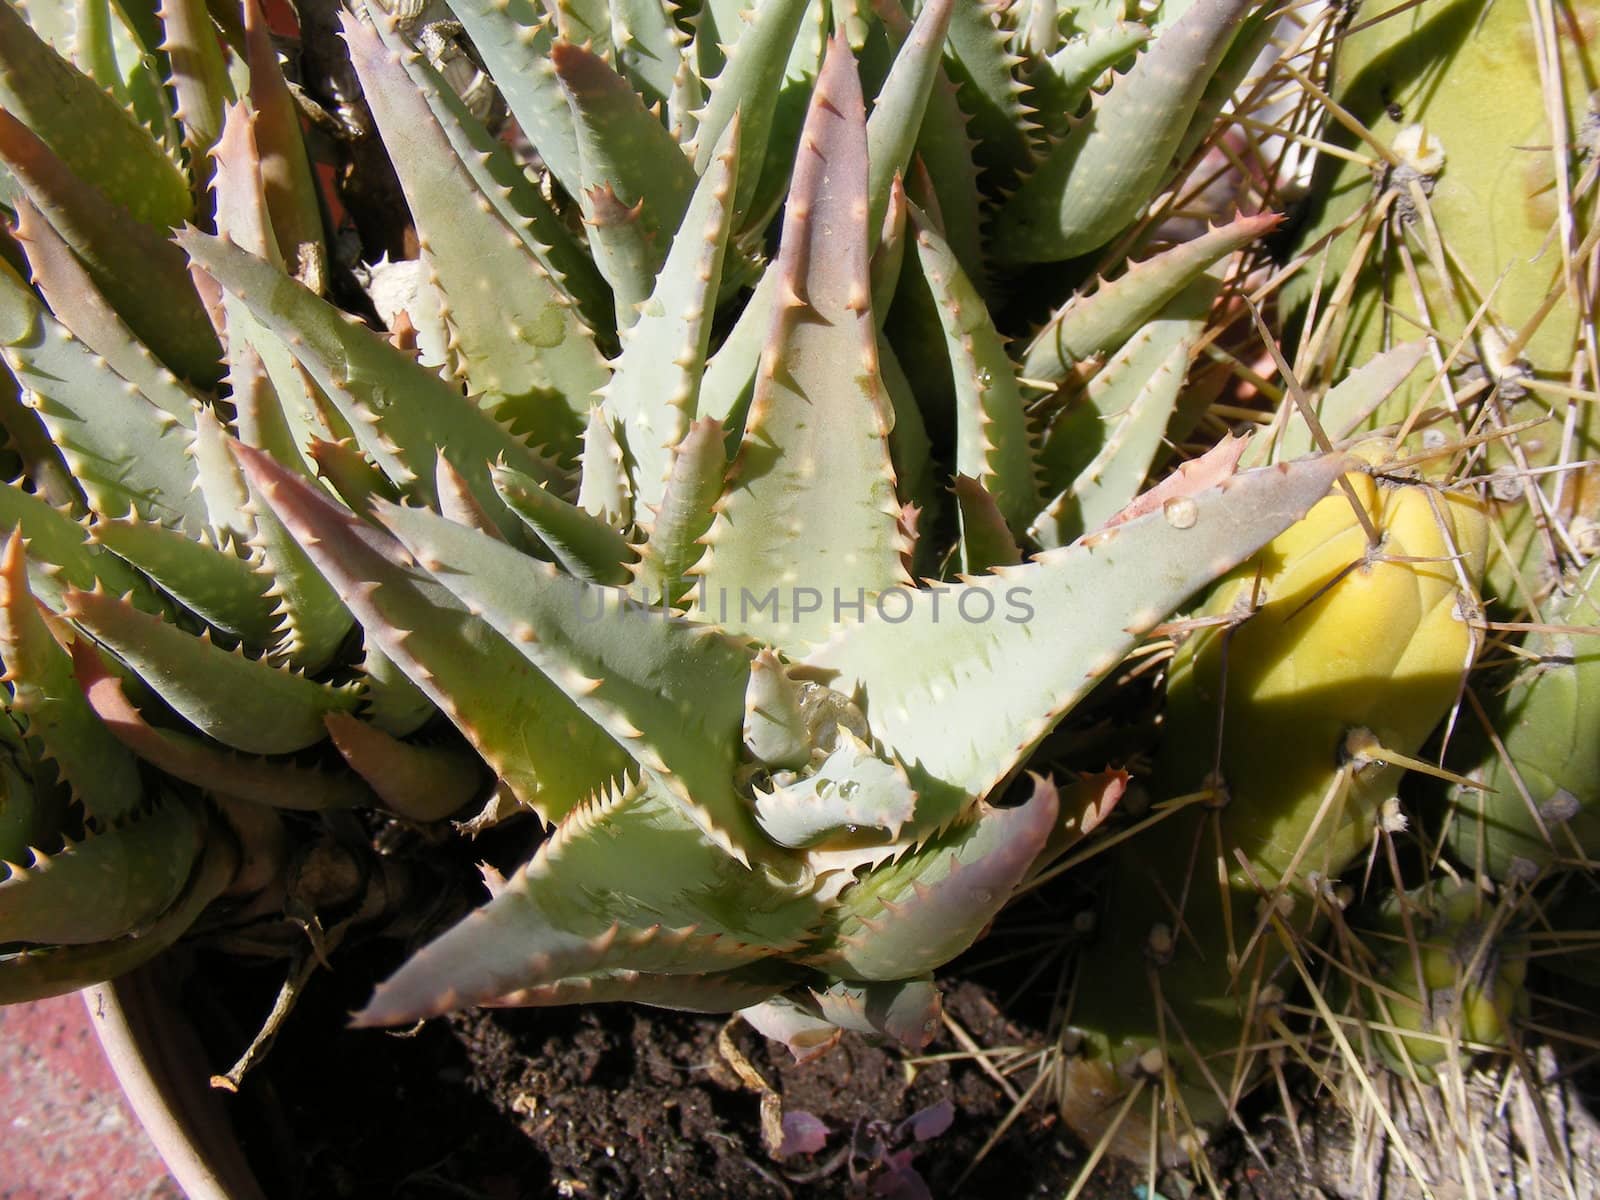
<point x="65" y="1131"/>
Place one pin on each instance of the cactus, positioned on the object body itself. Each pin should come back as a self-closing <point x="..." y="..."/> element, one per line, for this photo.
<point x="1287" y="726"/>
<point x="655" y="575"/>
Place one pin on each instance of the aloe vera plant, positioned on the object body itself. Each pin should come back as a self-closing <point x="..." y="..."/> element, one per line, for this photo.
<point x="657" y="578"/>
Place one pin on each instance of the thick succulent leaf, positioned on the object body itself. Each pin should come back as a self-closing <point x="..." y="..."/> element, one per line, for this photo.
<point x="217" y="585"/>
<point x="219" y="481"/>
<point x="403" y="415"/>
<point x="1345" y="408"/>
<point x="818" y="415"/>
<point x="747" y="88"/>
<point x="549" y="753"/>
<point x="1061" y="81"/>
<point x="87" y="128"/>
<point x="314" y="621"/>
<point x="525" y="352"/>
<point x="596" y="899"/>
<point x="802" y="1030"/>
<point x="199" y="77"/>
<point x="241" y="702"/>
<point x="927" y="906"/>
<point x="653" y="395"/>
<point x="671" y="693"/>
<point x="635" y="180"/>
<point x="290" y="187"/>
<point x="584" y="545"/>
<point x="788" y="116"/>
<point x="259" y="780"/>
<point x="26" y="437"/>
<point x="61" y="555"/>
<point x="967" y="709"/>
<point x="902" y="101"/>
<point x="1097" y="322"/>
<point x="725" y="389"/>
<point x="852" y="789"/>
<point x="109" y="884"/>
<point x="993" y="442"/>
<point x="944" y="147"/>
<point x="53" y="971"/>
<point x="514" y="40"/>
<point x="142" y="275"/>
<point x="420" y="783"/>
<point x="910" y="449"/>
<point x="984" y="69"/>
<point x="775" y="729"/>
<point x="77" y="304"/>
<point x="648" y="44"/>
<point x="43" y="691"/>
<point x="127" y="454"/>
<point x="1096" y="179"/>
<point x="503" y="182"/>
<point x="907" y="1010"/>
<point x="699" y="462"/>
<point x="986" y="539"/>
<point x="720" y="991"/>
<point x="1097" y="453"/>
<point x="390" y="700"/>
<point x="604" y="489"/>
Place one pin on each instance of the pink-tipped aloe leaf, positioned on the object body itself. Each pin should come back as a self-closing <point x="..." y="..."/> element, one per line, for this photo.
<point x="814" y="461"/>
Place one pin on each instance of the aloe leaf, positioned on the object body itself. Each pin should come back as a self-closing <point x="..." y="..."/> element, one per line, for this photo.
<point x="43" y="690"/>
<point x="654" y="392"/>
<point x="56" y="970"/>
<point x="403" y="415"/>
<point x="851" y="790"/>
<point x="391" y="702"/>
<point x="524" y="349"/>
<point x="579" y="906"/>
<point x="907" y="1010"/>
<point x="1098" y="451"/>
<point x="87" y="128"/>
<point x="699" y="463"/>
<point x="584" y="545"/>
<point x="985" y="72"/>
<point x="671" y="694"/>
<point x="986" y="539"/>
<point x="286" y="178"/>
<point x="902" y="101"/>
<point x="1062" y="621"/>
<point x="141" y="274"/>
<point x="513" y="193"/>
<point x="199" y="77"/>
<point x="240" y="701"/>
<point x="818" y="414"/>
<point x="514" y="40"/>
<point x="1096" y="322"/>
<point x="1094" y="181"/>
<point x="720" y="991"/>
<point x="788" y="116"/>
<point x="993" y="442"/>
<point x="217" y="585"/>
<point x="604" y="489"/>
<point x="25" y="435"/>
<point x="1113" y="477"/>
<point x="61" y="555"/>
<point x="636" y="182"/>
<point x="420" y="783"/>
<point x="1345" y="408"/>
<point x="350" y="473"/>
<point x="946" y="149"/>
<point x="748" y="86"/>
<point x="77" y="304"/>
<point x="110" y="884"/>
<point x="648" y="44"/>
<point x="126" y="453"/>
<point x="927" y="906"/>
<point x="1061" y="81"/>
<point x="266" y="781"/>
<point x="532" y="736"/>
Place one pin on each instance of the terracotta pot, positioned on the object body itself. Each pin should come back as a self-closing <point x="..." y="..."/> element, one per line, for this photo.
<point x="159" y="1064"/>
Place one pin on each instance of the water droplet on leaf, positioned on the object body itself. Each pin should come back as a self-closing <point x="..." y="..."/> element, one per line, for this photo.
<point x="1181" y="512"/>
